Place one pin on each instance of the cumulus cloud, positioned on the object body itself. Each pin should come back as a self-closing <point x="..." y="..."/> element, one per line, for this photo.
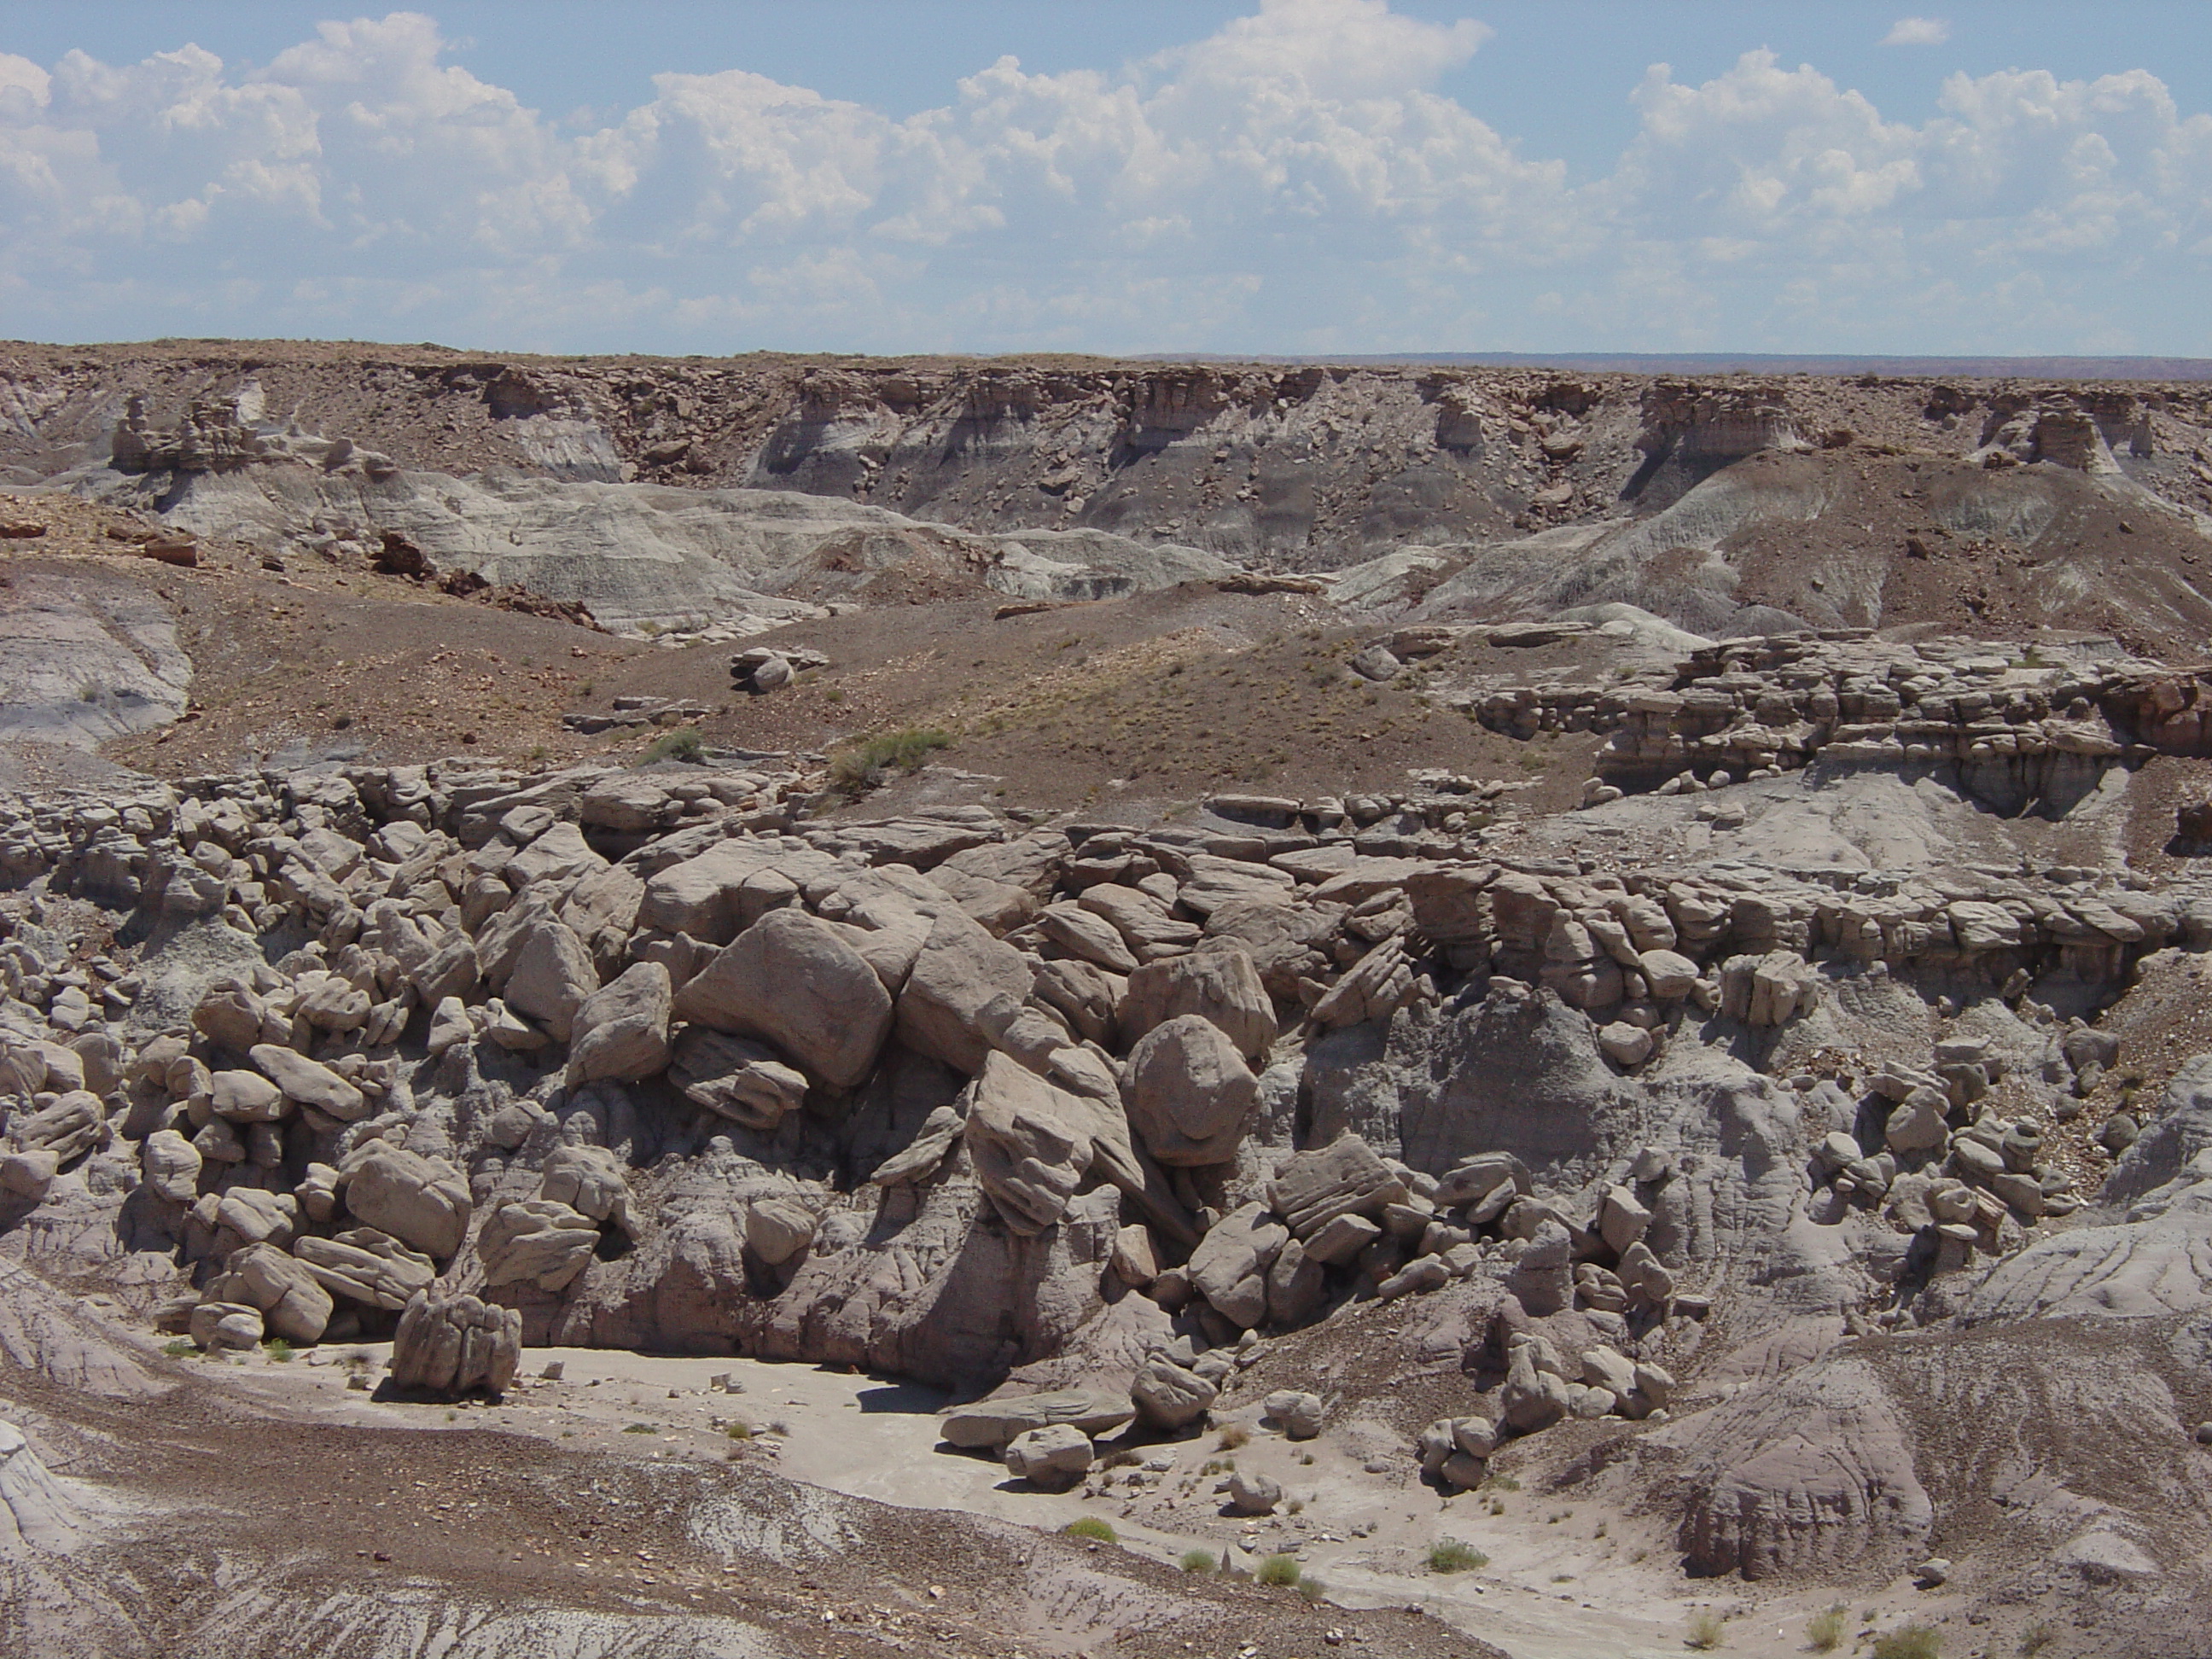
<point x="1917" y="32"/>
<point x="1292" y="182"/>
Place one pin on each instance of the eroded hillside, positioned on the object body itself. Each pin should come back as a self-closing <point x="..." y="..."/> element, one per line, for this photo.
<point x="1461" y="1011"/>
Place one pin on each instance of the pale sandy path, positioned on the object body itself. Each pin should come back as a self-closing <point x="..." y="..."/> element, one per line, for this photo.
<point x="876" y="1437"/>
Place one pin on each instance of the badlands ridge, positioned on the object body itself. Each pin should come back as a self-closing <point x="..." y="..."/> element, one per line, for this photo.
<point x="1461" y="1011"/>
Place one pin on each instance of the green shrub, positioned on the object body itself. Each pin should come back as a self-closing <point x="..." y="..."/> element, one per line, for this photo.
<point x="1706" y="1630"/>
<point x="1825" y="1631"/>
<point x="182" y="1348"/>
<point x="1311" y="1588"/>
<point x="1449" y="1555"/>
<point x="684" y="745"/>
<point x="739" y="1430"/>
<point x="1914" y="1641"/>
<point x="1279" y="1570"/>
<point x="2035" y="1639"/>
<point x="1198" y="1560"/>
<point x="279" y="1349"/>
<point x="642" y="1428"/>
<point x="1090" y="1527"/>
<point x="860" y="766"/>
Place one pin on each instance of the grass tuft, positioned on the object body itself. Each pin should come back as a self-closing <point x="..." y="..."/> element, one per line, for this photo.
<point x="860" y="766"/>
<point x="1707" y="1630"/>
<point x="1824" y="1630"/>
<point x="1091" y="1527"/>
<point x="1913" y="1641"/>
<point x="685" y="745"/>
<point x="1449" y="1555"/>
<point x="279" y="1349"/>
<point x="1198" y="1561"/>
<point x="1279" y="1570"/>
<point x="642" y="1428"/>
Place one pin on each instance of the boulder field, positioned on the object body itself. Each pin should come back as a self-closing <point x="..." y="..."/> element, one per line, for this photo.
<point x="1784" y="1196"/>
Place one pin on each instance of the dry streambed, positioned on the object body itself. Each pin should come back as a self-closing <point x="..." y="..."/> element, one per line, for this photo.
<point x="1572" y="1579"/>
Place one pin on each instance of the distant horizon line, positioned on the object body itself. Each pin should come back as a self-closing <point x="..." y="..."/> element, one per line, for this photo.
<point x="1993" y="365"/>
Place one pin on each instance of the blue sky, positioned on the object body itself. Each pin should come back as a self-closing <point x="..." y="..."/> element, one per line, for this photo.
<point x="1278" y="175"/>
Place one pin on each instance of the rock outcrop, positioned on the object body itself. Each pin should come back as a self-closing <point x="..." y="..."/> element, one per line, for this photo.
<point x="450" y="1346"/>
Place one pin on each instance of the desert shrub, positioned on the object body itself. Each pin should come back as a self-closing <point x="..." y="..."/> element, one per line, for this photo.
<point x="1824" y="1630"/>
<point x="1706" y="1630"/>
<point x="1279" y="1570"/>
<point x="1198" y="1560"/>
<point x="279" y="1349"/>
<point x="641" y="1428"/>
<point x="181" y="1348"/>
<point x="739" y="1430"/>
<point x="1449" y="1555"/>
<point x="1913" y="1641"/>
<point x="860" y="766"/>
<point x="685" y="745"/>
<point x="2035" y="1639"/>
<point x="1232" y="1436"/>
<point x="1311" y="1588"/>
<point x="1090" y="1527"/>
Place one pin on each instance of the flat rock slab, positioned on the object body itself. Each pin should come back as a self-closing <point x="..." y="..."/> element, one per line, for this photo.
<point x="995" y="1422"/>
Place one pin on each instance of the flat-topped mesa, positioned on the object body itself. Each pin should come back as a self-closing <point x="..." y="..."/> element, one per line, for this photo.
<point x="1699" y="421"/>
<point x="2076" y="427"/>
<point x="1160" y="408"/>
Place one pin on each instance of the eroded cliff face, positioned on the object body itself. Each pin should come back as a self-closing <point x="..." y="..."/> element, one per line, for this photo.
<point x="1302" y="466"/>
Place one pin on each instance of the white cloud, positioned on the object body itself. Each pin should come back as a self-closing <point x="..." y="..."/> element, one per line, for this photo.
<point x="1917" y="32"/>
<point x="1292" y="182"/>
